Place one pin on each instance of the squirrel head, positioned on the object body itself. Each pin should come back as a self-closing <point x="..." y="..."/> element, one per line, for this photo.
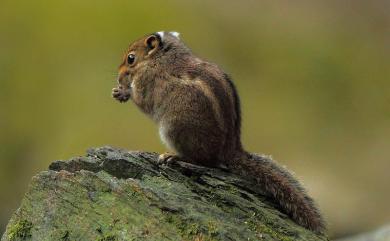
<point x="154" y="52"/>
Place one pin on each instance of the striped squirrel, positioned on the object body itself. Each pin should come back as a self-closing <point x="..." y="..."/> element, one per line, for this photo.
<point x="197" y="108"/>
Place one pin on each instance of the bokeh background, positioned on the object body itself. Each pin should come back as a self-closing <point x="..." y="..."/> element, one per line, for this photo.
<point x="313" y="76"/>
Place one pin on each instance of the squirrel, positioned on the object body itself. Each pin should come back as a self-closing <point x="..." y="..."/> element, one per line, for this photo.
<point x="197" y="109"/>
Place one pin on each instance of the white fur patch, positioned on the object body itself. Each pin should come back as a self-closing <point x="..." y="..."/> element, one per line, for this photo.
<point x="176" y="34"/>
<point x="161" y="34"/>
<point x="163" y="137"/>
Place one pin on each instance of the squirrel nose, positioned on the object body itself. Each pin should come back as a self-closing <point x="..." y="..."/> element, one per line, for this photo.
<point x="122" y="77"/>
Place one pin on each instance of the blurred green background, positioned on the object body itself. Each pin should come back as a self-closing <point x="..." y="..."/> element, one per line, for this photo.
<point x="313" y="76"/>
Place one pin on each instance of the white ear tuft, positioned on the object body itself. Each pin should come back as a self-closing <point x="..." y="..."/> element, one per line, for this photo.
<point x="161" y="34"/>
<point x="176" y="34"/>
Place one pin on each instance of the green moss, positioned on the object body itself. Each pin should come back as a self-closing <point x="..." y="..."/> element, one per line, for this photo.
<point x="164" y="205"/>
<point x="108" y="237"/>
<point x="20" y="230"/>
<point x="262" y="229"/>
<point x="194" y="231"/>
<point x="65" y="236"/>
<point x="265" y="229"/>
<point x="212" y="228"/>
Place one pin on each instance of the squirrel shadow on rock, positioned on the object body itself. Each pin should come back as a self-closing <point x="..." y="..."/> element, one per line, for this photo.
<point x="112" y="194"/>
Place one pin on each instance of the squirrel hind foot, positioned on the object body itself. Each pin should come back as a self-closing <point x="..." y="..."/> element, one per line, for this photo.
<point x="167" y="158"/>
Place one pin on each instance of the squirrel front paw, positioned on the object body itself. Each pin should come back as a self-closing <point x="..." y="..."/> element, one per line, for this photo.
<point x="121" y="94"/>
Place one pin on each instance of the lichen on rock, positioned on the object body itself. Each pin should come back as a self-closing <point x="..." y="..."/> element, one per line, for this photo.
<point x="113" y="194"/>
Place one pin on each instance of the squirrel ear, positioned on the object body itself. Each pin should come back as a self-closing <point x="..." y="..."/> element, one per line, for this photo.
<point x="175" y="34"/>
<point x="152" y="43"/>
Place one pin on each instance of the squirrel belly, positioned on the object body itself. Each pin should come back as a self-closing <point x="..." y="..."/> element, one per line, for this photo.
<point x="197" y="108"/>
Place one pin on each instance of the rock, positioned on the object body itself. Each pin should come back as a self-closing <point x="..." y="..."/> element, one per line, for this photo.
<point x="112" y="194"/>
<point x="381" y="234"/>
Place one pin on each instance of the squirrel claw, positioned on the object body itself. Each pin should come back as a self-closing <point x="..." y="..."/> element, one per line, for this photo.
<point x="167" y="158"/>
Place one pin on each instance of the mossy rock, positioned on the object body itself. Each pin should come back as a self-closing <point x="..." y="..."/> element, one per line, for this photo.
<point x="113" y="194"/>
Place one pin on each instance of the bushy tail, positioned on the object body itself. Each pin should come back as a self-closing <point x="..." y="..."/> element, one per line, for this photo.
<point x="277" y="182"/>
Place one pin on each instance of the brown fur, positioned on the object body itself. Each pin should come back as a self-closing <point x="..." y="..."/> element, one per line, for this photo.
<point x="197" y="109"/>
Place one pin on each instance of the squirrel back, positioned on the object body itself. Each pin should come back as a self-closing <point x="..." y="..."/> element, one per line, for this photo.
<point x="197" y="108"/>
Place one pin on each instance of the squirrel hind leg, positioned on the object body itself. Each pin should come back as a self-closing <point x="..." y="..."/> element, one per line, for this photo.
<point x="195" y="147"/>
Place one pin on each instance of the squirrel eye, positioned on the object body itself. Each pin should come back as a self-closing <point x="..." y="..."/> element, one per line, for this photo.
<point x="130" y="58"/>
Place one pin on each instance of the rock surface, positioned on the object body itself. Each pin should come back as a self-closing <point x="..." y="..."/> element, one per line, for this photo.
<point x="113" y="194"/>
